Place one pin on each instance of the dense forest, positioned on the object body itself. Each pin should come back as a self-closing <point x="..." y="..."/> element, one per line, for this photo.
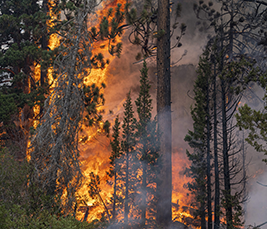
<point x="104" y="124"/>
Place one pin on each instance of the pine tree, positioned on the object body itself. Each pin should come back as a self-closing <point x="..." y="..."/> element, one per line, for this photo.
<point x="22" y="26"/>
<point x="129" y="157"/>
<point x="115" y="155"/>
<point x="54" y="146"/>
<point x="199" y="140"/>
<point x="235" y="44"/>
<point x="255" y="122"/>
<point x="147" y="148"/>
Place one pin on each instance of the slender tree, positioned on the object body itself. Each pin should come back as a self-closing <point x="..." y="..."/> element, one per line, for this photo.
<point x="115" y="154"/>
<point x="200" y="139"/>
<point x="127" y="147"/>
<point x="147" y="148"/>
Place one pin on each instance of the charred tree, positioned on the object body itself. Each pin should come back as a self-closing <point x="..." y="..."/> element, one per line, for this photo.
<point x="54" y="147"/>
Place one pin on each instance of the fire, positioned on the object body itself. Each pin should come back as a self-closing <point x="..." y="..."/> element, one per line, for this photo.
<point x="182" y="210"/>
<point x="95" y="147"/>
<point x="52" y="44"/>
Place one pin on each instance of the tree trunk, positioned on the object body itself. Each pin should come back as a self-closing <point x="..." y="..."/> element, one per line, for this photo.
<point x="44" y="46"/>
<point x="164" y="207"/>
<point x="226" y="171"/>
<point x="144" y="194"/>
<point x="126" y="205"/>
<point x="114" y="195"/>
<point x="208" y="159"/>
<point x="216" y="165"/>
<point x="203" y="214"/>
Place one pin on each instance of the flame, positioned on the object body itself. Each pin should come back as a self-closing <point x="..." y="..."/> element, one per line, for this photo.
<point x="95" y="147"/>
<point x="52" y="44"/>
<point x="181" y="199"/>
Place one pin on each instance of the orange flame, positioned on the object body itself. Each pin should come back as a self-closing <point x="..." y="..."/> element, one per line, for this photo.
<point x="95" y="150"/>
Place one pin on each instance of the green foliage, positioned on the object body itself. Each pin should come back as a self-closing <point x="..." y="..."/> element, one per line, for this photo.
<point x="233" y="202"/>
<point x="135" y="152"/>
<point x="197" y="139"/>
<point x="255" y="122"/>
<point x="13" y="180"/>
<point x="128" y="126"/>
<point x="24" y="206"/>
<point x="93" y="99"/>
<point x="115" y="145"/>
<point x="17" y="217"/>
<point x="7" y="107"/>
<point x="109" y="29"/>
<point x="22" y="28"/>
<point x="147" y="149"/>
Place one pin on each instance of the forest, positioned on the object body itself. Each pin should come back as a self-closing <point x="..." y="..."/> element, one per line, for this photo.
<point x="133" y="114"/>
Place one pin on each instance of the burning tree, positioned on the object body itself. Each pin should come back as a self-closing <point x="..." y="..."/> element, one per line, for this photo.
<point x="54" y="147"/>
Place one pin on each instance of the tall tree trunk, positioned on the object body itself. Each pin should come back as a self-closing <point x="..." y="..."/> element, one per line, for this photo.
<point x="126" y="204"/>
<point x="203" y="213"/>
<point x="231" y="33"/>
<point x="144" y="194"/>
<point x="164" y="207"/>
<point x="114" y="195"/>
<point x="208" y="159"/>
<point x="216" y="165"/>
<point x="227" y="186"/>
<point x="44" y="45"/>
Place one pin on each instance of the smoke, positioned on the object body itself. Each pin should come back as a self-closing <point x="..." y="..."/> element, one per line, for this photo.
<point x="195" y="38"/>
<point x="255" y="208"/>
<point x="123" y="76"/>
<point x="256" y="205"/>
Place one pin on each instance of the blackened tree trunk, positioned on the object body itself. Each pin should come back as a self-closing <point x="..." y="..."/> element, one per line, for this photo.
<point x="44" y="44"/>
<point x="144" y="195"/>
<point x="208" y="157"/>
<point x="164" y="207"/>
<point x="114" y="215"/>
<point x="227" y="186"/>
<point x="216" y="164"/>
<point x="126" y="201"/>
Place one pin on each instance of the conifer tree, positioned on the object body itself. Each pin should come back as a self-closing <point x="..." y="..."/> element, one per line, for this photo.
<point x="147" y="148"/>
<point x="255" y="121"/>
<point x="54" y="146"/>
<point x="129" y="157"/>
<point x="115" y="155"/>
<point x="199" y="141"/>
<point x="22" y="26"/>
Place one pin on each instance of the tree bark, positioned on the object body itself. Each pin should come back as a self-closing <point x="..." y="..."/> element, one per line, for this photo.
<point x="114" y="216"/>
<point x="227" y="185"/>
<point x="164" y="207"/>
<point x="216" y="164"/>
<point x="208" y="159"/>
<point x="126" y="205"/>
<point x="44" y="45"/>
